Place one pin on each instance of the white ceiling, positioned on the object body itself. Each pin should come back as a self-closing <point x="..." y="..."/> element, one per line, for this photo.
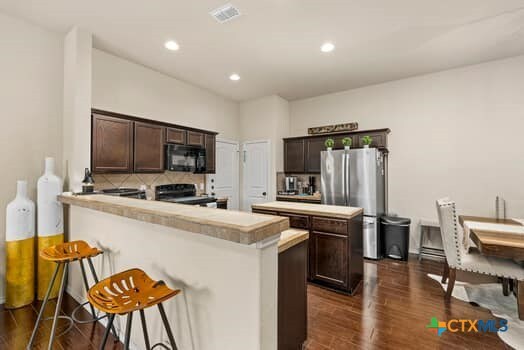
<point x="274" y="45"/>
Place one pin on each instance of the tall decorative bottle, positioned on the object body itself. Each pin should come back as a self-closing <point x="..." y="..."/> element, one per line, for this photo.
<point x="20" y="249"/>
<point x="50" y="227"/>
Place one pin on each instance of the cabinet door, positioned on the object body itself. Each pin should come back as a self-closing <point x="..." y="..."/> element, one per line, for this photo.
<point x="379" y="140"/>
<point x="112" y="147"/>
<point x="338" y="141"/>
<point x="329" y="259"/>
<point x="294" y="156"/>
<point x="195" y="138"/>
<point x="174" y="135"/>
<point x="210" y="141"/>
<point x="149" y="148"/>
<point x="313" y="149"/>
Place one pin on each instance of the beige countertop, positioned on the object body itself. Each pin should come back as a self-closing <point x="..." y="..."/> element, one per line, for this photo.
<point x="333" y="211"/>
<point x="290" y="238"/>
<point x="299" y="197"/>
<point x="235" y="226"/>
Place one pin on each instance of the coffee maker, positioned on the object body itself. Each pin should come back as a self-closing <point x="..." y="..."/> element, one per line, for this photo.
<point x="291" y="184"/>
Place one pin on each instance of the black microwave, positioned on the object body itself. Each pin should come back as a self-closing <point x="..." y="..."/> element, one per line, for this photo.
<point x="185" y="158"/>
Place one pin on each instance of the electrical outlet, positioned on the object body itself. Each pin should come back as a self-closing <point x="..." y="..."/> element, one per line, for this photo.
<point x="201" y="186"/>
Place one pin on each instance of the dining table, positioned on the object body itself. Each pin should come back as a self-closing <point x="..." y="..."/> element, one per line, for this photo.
<point x="500" y="243"/>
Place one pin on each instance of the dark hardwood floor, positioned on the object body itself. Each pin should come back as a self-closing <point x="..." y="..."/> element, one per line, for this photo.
<point x="391" y="312"/>
<point x="16" y="327"/>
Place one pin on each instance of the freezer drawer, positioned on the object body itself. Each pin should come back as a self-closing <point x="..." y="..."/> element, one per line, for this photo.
<point x="371" y="237"/>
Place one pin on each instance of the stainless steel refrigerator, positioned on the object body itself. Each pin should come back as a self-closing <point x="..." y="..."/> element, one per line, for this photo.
<point x="356" y="178"/>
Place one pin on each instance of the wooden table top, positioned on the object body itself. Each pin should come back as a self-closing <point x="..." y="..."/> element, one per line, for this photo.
<point x="463" y="218"/>
<point x="508" y="245"/>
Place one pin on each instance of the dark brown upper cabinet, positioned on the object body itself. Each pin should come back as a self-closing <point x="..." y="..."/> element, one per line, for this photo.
<point x="112" y="145"/>
<point x="294" y="156"/>
<point x="302" y="154"/>
<point x="149" y="148"/>
<point x="126" y="144"/>
<point x="379" y="139"/>
<point x="195" y="138"/>
<point x="210" y="141"/>
<point x="175" y="135"/>
<point x="313" y="149"/>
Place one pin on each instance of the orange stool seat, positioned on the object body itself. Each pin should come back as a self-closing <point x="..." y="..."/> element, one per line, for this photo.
<point x="128" y="291"/>
<point x="69" y="251"/>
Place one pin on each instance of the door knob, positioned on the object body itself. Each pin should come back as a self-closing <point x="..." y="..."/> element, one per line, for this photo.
<point x="264" y="193"/>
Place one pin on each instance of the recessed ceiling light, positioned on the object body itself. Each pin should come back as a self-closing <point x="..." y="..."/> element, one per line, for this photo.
<point x="234" y="77"/>
<point x="172" y="45"/>
<point x="327" y="47"/>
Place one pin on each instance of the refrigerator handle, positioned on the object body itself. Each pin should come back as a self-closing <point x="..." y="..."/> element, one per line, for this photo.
<point x="346" y="177"/>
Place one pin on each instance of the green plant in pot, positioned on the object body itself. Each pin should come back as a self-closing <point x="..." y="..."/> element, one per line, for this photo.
<point x="366" y="141"/>
<point x="329" y="144"/>
<point x="346" y="141"/>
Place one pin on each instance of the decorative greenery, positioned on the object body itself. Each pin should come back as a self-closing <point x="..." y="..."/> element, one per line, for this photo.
<point x="346" y="141"/>
<point x="366" y="140"/>
<point x="329" y="143"/>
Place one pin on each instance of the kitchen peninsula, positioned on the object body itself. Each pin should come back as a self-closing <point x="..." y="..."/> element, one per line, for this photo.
<point x="335" y="241"/>
<point x="225" y="263"/>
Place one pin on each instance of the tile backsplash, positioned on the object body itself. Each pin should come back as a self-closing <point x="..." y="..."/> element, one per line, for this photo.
<point x="302" y="178"/>
<point x="103" y="181"/>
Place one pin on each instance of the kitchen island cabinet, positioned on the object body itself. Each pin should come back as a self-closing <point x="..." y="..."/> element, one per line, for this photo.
<point x="335" y="258"/>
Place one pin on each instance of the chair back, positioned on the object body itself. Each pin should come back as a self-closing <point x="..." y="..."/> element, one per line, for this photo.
<point x="451" y="235"/>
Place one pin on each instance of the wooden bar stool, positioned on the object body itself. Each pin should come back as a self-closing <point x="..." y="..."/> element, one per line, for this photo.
<point x="127" y="292"/>
<point x="62" y="254"/>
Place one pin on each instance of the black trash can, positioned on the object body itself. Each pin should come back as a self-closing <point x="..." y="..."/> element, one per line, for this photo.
<point x="395" y="237"/>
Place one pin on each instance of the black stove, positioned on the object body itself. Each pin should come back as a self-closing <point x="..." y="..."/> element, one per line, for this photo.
<point x="182" y="194"/>
<point x="125" y="192"/>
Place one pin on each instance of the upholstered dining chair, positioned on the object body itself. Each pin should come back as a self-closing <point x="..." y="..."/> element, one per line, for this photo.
<point x="457" y="258"/>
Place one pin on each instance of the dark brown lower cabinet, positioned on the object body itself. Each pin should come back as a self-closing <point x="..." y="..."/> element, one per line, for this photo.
<point x="292" y="297"/>
<point x="335" y="257"/>
<point x="328" y="257"/>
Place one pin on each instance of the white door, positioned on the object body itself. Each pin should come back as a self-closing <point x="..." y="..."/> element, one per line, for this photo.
<point x="225" y="181"/>
<point x="255" y="177"/>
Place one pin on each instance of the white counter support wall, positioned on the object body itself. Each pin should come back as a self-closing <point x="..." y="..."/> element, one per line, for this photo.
<point x="229" y="290"/>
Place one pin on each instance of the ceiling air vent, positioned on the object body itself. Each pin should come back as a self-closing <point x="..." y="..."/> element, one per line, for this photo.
<point x="225" y="13"/>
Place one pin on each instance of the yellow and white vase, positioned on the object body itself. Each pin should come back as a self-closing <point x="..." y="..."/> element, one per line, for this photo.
<point x="20" y="249"/>
<point x="50" y="227"/>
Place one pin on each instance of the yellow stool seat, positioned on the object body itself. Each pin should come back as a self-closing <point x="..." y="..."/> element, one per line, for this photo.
<point x="128" y="291"/>
<point x="69" y="251"/>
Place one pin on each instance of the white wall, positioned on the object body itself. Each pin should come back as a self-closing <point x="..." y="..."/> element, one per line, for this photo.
<point x="456" y="133"/>
<point x="266" y="118"/>
<point x="125" y="87"/>
<point x="31" y="70"/>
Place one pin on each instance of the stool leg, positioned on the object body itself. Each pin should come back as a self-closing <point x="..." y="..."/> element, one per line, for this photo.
<point x="128" y="330"/>
<point x="95" y="277"/>
<point x="167" y="327"/>
<point x="58" y="305"/>
<point x="144" y="328"/>
<point x="44" y="303"/>
<point x="106" y="332"/>
<point x="86" y="284"/>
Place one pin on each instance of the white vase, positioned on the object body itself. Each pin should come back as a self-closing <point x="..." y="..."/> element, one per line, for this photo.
<point x="329" y="149"/>
<point x="20" y="252"/>
<point x="50" y="227"/>
<point x="347" y="148"/>
<point x="366" y="146"/>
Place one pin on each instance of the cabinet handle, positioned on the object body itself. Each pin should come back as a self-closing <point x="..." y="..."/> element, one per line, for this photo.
<point x="244" y="156"/>
<point x="264" y="193"/>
